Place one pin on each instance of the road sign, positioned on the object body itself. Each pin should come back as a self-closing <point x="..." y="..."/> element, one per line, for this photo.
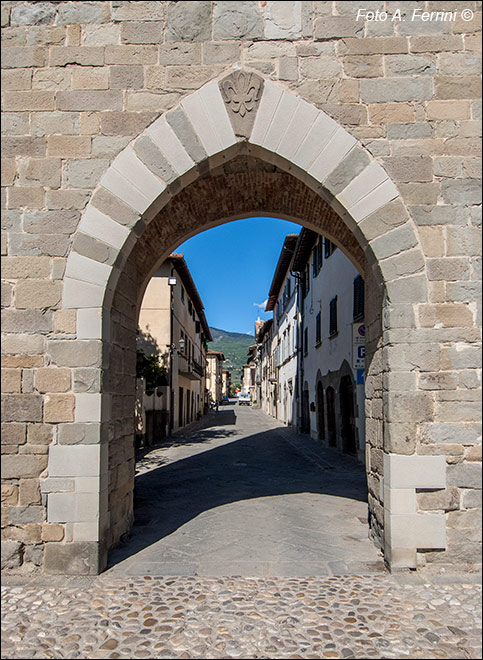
<point x="358" y="345"/>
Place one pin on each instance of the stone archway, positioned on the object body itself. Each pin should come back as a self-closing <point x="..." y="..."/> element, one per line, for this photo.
<point x="289" y="159"/>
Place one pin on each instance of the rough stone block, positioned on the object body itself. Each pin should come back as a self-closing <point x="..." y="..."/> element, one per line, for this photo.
<point x="22" y="408"/>
<point x="407" y="65"/>
<point x="87" y="380"/>
<point x="89" y="100"/>
<point x="24" y="344"/>
<point x="90" y="78"/>
<point x="141" y="32"/>
<point x="131" y="55"/>
<point x="9" y="494"/>
<point x="240" y="21"/>
<point x="11" y="554"/>
<point x="126" y="76"/>
<point x="11" y="381"/>
<point x="85" y="434"/>
<point x="81" y="558"/>
<point x="85" y="173"/>
<point x="386" y="113"/>
<point x="410" y="407"/>
<point x="68" y="146"/>
<point x="23" y="146"/>
<point x="322" y="66"/>
<point x="420" y="193"/>
<point x="30" y="494"/>
<point x="457" y="87"/>
<point x="363" y="66"/>
<point x="283" y="20"/>
<point x="336" y="27"/>
<point x="402" y="89"/>
<point x="65" y="353"/>
<point x="462" y="192"/>
<point x="13" y="434"/>
<point x="409" y="169"/>
<point x="40" y="434"/>
<point x="373" y="45"/>
<point x="59" y="408"/>
<point x="14" y="467"/>
<point x="23" y="57"/>
<point x="52" y="532"/>
<point x="37" y="294"/>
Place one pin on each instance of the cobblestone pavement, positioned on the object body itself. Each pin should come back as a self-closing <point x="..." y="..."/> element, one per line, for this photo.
<point x="192" y="617"/>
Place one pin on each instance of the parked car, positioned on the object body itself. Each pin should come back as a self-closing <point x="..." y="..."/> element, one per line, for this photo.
<point x="225" y="399"/>
<point x="244" y="399"/>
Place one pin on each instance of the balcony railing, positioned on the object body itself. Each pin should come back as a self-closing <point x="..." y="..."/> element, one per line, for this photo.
<point x="189" y="368"/>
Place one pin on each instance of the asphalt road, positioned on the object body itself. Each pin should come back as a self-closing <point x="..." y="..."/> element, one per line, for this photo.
<point x="239" y="494"/>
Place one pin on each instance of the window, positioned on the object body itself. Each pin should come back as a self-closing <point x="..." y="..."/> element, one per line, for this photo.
<point x="329" y="248"/>
<point x="306" y="341"/>
<point x="358" y="301"/>
<point x="182" y="294"/>
<point x="317" y="258"/>
<point x="318" y="329"/>
<point x="190" y="308"/>
<point x="319" y="252"/>
<point x="307" y="279"/>
<point x="333" y="317"/>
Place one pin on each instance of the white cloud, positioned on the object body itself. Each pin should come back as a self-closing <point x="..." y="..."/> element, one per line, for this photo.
<point x="261" y="305"/>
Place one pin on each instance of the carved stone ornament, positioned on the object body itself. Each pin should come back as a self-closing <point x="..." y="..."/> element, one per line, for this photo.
<point x="241" y="91"/>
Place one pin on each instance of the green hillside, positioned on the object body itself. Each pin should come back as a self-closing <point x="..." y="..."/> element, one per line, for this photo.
<point x="234" y="346"/>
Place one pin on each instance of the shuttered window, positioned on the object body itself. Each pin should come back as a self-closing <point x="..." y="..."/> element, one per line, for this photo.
<point x="333" y="317"/>
<point x="318" y="328"/>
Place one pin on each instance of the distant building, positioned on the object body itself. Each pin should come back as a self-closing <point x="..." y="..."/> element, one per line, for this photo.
<point x="310" y="357"/>
<point x="225" y="382"/>
<point x="214" y="375"/>
<point x="172" y="324"/>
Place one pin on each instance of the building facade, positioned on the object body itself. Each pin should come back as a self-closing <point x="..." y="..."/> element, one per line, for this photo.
<point x="331" y="364"/>
<point x="172" y="325"/>
<point x="214" y="376"/>
<point x="225" y="382"/>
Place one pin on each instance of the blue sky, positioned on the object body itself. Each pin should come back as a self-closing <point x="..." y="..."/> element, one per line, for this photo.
<point x="232" y="267"/>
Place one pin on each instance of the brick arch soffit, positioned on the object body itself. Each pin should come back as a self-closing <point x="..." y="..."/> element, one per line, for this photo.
<point x="240" y="113"/>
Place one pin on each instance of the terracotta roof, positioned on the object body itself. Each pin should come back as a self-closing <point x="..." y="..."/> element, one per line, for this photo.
<point x="182" y="269"/>
<point x="306" y="241"/>
<point x="217" y="354"/>
<point x="281" y="269"/>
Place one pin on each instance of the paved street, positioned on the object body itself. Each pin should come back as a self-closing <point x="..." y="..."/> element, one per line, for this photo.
<point x="250" y="542"/>
<point x="242" y="495"/>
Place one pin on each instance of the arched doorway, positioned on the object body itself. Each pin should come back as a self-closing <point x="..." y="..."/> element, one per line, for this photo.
<point x="331" y="417"/>
<point x="348" y="431"/>
<point x="202" y="164"/>
<point x="320" y="411"/>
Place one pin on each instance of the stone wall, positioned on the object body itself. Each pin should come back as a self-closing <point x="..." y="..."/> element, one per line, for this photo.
<point x="81" y="80"/>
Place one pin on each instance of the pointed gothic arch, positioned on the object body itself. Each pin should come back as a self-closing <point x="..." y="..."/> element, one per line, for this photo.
<point x="336" y="187"/>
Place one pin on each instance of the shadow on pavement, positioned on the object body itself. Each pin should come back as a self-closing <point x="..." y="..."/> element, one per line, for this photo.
<point x="255" y="466"/>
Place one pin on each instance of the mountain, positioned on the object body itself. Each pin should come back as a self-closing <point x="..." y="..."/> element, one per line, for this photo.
<point x="234" y="346"/>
